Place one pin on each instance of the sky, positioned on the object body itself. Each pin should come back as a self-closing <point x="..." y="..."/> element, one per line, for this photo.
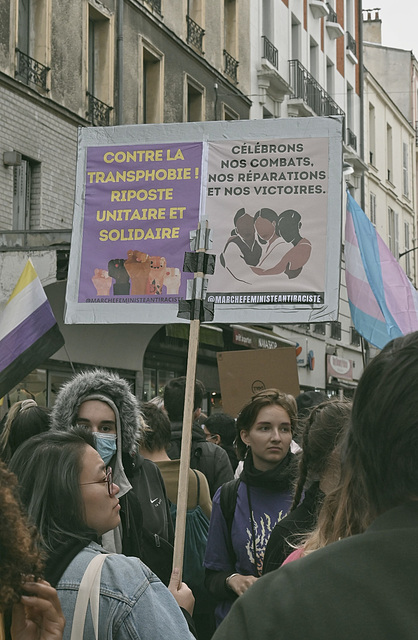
<point x="399" y="22"/>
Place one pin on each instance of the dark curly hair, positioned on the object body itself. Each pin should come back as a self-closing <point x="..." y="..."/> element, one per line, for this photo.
<point x="19" y="554"/>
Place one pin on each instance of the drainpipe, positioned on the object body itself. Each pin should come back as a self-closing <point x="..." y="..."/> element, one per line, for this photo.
<point x="361" y="82"/>
<point x="119" y="57"/>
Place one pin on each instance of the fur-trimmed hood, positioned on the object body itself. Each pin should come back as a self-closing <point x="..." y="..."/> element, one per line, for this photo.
<point x="105" y="383"/>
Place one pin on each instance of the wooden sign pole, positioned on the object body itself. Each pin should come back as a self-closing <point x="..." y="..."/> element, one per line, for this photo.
<point x="186" y="443"/>
<point x="186" y="439"/>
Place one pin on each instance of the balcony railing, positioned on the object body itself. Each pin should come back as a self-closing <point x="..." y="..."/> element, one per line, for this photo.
<point x="30" y="70"/>
<point x="332" y="16"/>
<point x="230" y="66"/>
<point x="416" y="134"/>
<point x="155" y="4"/>
<point x="99" y="112"/>
<point x="351" y="44"/>
<point x="195" y="34"/>
<point x="270" y="52"/>
<point x="306" y="88"/>
<point x="351" y="139"/>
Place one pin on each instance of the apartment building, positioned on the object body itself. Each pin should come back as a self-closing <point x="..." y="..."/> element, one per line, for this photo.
<point x="391" y="80"/>
<point x="307" y="62"/>
<point x="93" y="63"/>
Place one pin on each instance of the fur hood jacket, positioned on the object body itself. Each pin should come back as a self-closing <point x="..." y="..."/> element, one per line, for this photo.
<point x="100" y="382"/>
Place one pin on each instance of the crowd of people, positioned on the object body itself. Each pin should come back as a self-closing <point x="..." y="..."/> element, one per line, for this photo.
<point x="315" y="540"/>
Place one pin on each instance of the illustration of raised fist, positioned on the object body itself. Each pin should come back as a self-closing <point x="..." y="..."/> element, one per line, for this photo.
<point x="138" y="266"/>
<point x="117" y="271"/>
<point x="172" y="280"/>
<point x="102" y="282"/>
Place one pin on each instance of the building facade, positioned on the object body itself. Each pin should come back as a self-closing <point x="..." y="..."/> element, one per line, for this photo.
<point x="149" y="61"/>
<point x="89" y="63"/>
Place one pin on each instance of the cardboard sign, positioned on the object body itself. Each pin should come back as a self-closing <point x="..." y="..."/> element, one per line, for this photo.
<point x="244" y="373"/>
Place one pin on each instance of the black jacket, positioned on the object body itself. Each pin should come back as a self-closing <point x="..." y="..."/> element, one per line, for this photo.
<point x="287" y="533"/>
<point x="362" y="588"/>
<point x="207" y="457"/>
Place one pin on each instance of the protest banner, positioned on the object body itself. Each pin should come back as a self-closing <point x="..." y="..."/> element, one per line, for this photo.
<point x="270" y="190"/>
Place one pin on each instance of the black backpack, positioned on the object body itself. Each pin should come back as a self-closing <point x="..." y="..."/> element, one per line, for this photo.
<point x="228" y="502"/>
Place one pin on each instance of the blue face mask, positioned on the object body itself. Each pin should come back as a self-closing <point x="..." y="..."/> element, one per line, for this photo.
<point x="105" y="445"/>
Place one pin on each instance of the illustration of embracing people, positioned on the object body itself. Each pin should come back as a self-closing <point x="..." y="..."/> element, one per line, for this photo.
<point x="266" y="245"/>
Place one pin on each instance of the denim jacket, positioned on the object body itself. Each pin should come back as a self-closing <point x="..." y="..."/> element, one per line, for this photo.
<point x="134" y="603"/>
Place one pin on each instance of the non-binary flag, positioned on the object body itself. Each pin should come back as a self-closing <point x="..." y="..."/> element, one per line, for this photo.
<point x="28" y="330"/>
<point x="383" y="302"/>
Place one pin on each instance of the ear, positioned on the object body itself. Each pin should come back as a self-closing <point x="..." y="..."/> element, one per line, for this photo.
<point x="216" y="438"/>
<point x="244" y="435"/>
<point x="197" y="413"/>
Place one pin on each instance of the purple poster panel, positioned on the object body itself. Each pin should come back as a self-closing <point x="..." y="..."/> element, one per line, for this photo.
<point x="141" y="202"/>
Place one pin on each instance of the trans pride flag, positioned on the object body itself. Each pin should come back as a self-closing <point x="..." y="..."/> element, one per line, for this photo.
<point x="383" y="302"/>
<point x="29" y="333"/>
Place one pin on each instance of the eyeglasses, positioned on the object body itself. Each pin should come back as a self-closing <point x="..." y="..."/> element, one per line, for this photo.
<point x="210" y="437"/>
<point x="108" y="479"/>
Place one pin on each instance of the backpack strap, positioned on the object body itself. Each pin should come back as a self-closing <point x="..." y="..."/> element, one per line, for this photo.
<point x="198" y="487"/>
<point x="228" y="502"/>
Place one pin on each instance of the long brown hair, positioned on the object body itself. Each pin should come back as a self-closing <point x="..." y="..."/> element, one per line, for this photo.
<point x="19" y="555"/>
<point x="248" y="414"/>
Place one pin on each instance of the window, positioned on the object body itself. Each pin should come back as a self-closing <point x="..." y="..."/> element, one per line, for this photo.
<point x="407" y="246"/>
<point x="373" y="209"/>
<point x="230" y="27"/>
<point x="228" y="113"/>
<point x="313" y="57"/>
<point x="336" y="330"/>
<point x="372" y="134"/>
<point x="351" y="137"/>
<point x="389" y="153"/>
<point x="195" y="31"/>
<point x="405" y="169"/>
<point x="194" y="101"/>
<point x="26" y="195"/>
<point x="330" y="77"/>
<point x="152" y="90"/>
<point x="33" y="43"/>
<point x="355" y="337"/>
<point x="393" y="232"/>
<point x="268" y="19"/>
<point x="99" y="74"/>
<point x="295" y="38"/>
<point x="320" y="328"/>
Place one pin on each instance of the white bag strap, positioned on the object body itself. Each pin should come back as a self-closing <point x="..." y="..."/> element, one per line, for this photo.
<point x="89" y="590"/>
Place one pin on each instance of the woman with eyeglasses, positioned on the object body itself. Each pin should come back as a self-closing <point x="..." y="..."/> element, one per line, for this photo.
<point x="245" y="511"/>
<point x="70" y="496"/>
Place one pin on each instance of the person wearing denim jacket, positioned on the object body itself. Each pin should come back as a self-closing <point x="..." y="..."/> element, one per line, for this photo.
<point x="134" y="603"/>
<point x="69" y="494"/>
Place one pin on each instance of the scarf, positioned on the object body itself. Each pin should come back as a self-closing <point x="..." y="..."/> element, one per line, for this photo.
<point x="279" y="479"/>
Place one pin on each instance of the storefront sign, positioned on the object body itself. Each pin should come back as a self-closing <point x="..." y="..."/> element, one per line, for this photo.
<point x="253" y="341"/>
<point x="339" y="368"/>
